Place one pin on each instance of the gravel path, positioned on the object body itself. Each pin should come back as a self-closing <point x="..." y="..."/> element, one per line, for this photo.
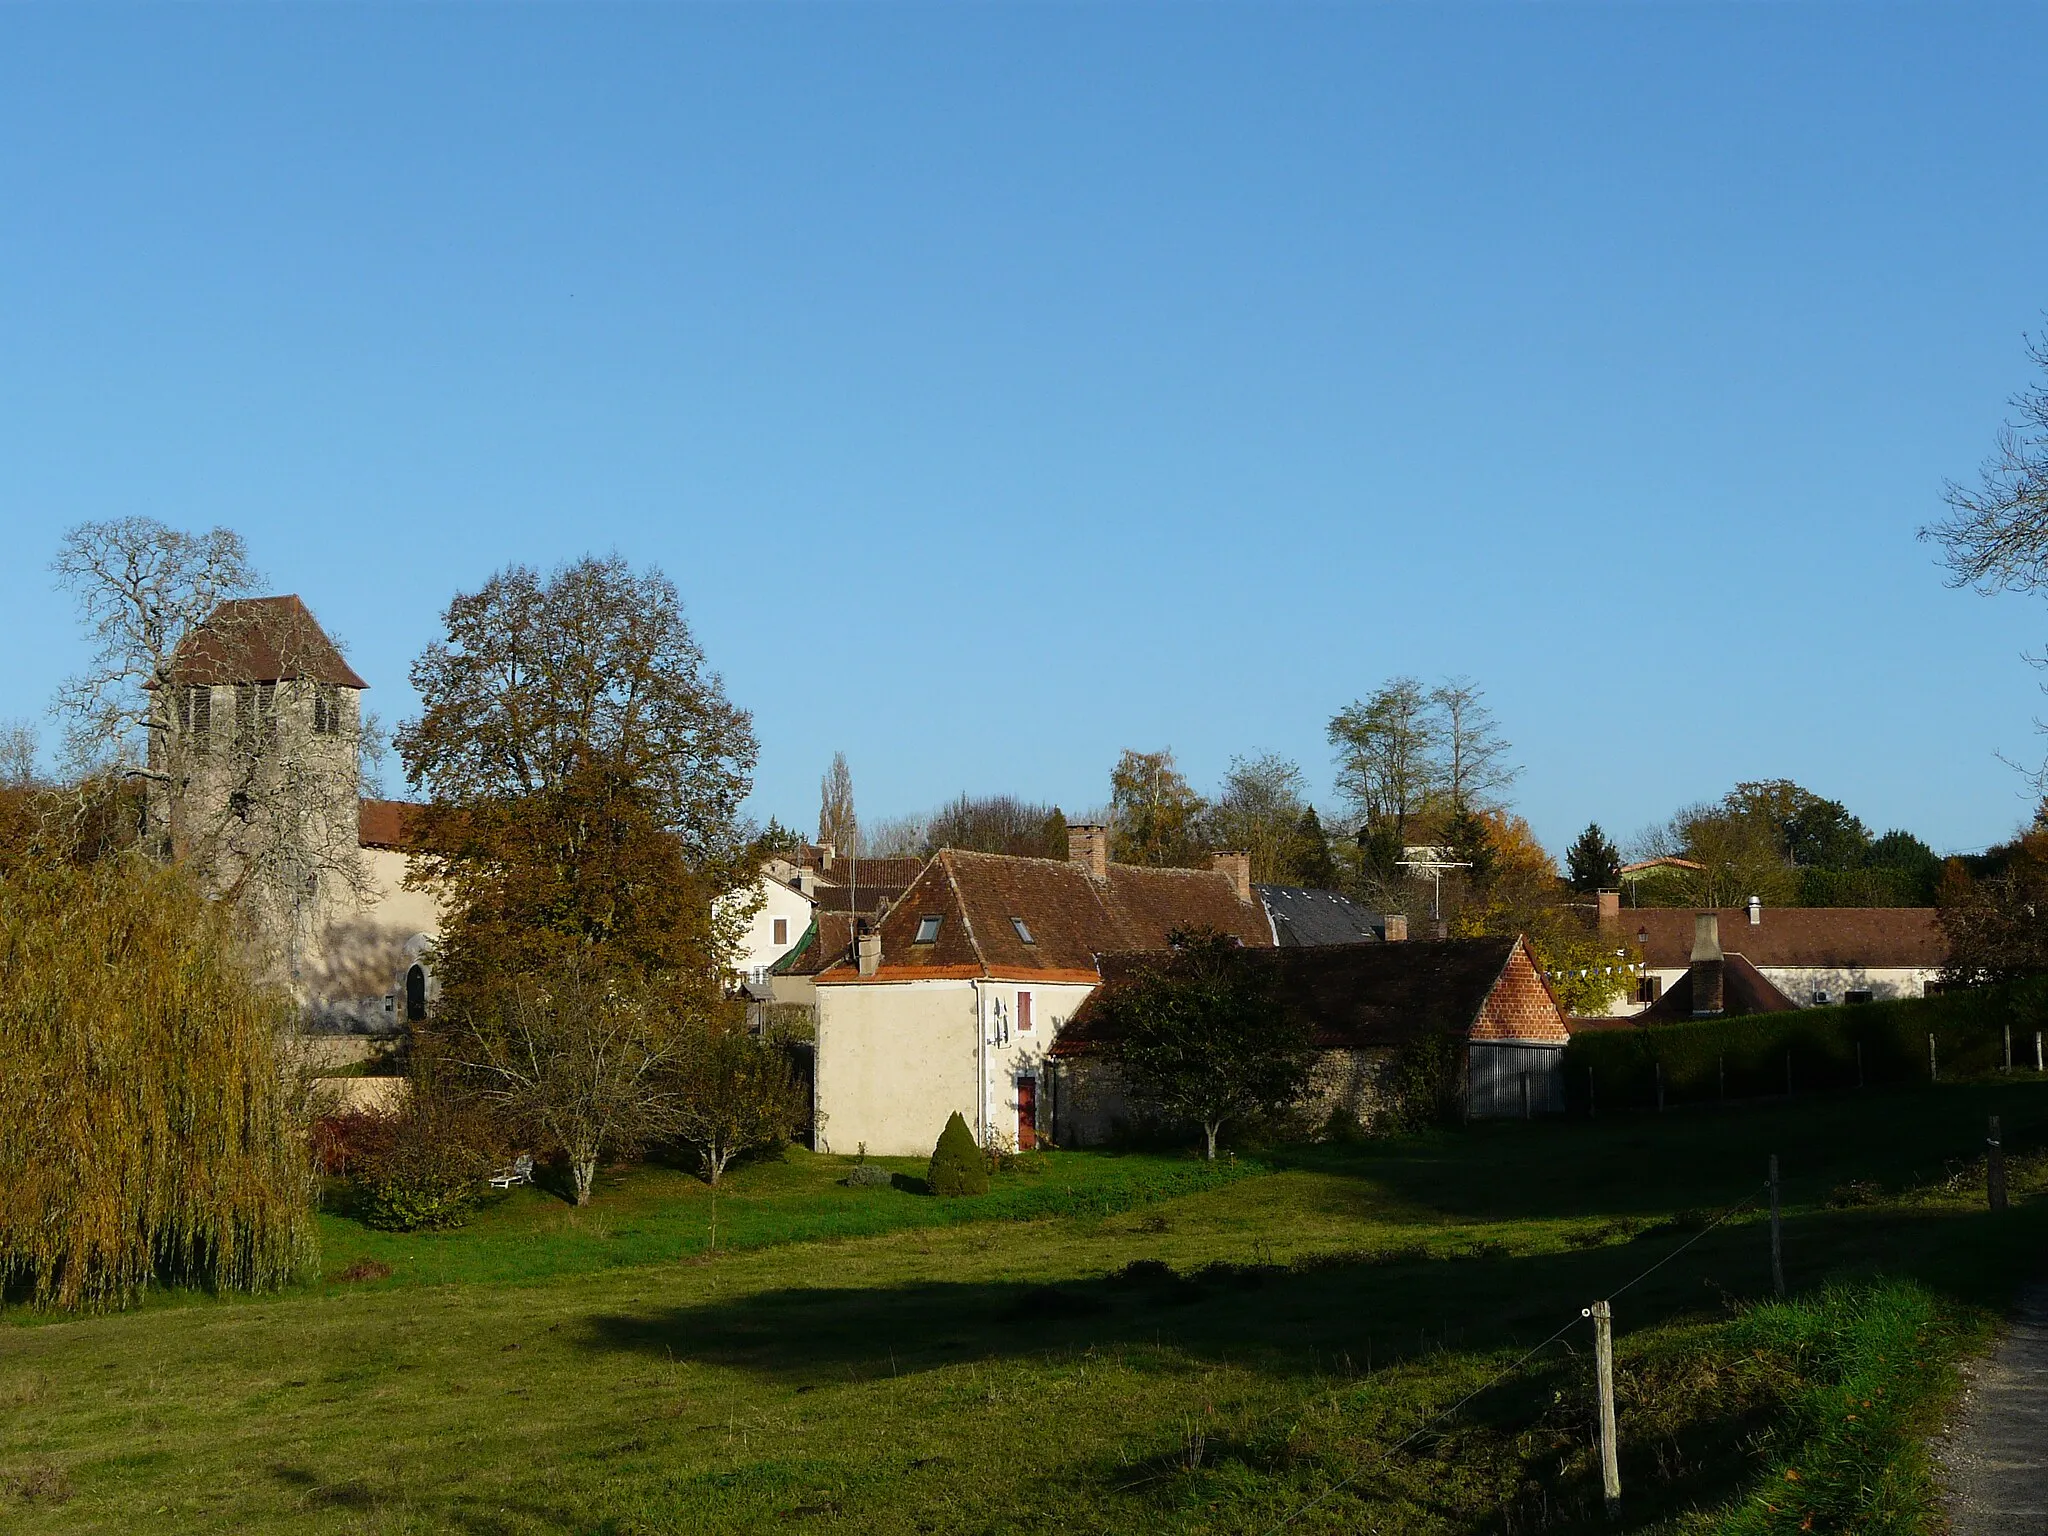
<point x="1994" y="1459"/>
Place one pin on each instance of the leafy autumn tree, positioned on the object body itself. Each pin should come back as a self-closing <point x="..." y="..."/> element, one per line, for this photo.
<point x="1201" y="1036"/>
<point x="585" y="772"/>
<point x="1592" y="862"/>
<point x="838" y="826"/>
<point x="1997" y="924"/>
<point x="1259" y="810"/>
<point x="1522" y="895"/>
<point x="1156" y="815"/>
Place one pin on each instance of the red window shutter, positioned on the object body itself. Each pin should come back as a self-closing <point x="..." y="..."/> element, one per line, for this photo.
<point x="782" y="930"/>
<point x="1023" y="1011"/>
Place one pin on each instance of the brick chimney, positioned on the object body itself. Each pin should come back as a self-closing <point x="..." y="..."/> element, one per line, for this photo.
<point x="1088" y="846"/>
<point x="1610" y="907"/>
<point x="867" y="952"/>
<point x="1396" y="926"/>
<point x="1237" y="868"/>
<point x="1706" y="965"/>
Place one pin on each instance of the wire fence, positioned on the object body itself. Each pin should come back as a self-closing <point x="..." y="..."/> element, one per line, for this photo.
<point x="1584" y="1315"/>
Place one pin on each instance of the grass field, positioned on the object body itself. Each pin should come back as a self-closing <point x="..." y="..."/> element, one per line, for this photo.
<point x="1128" y="1344"/>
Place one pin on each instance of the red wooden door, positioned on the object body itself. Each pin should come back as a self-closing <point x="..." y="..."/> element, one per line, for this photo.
<point x="1027" y="1113"/>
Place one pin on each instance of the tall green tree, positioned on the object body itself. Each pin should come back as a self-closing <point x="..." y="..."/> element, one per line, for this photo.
<point x="1202" y="1037"/>
<point x="1592" y="863"/>
<point x="1259" y="811"/>
<point x="1313" y="866"/>
<point x="1156" y="815"/>
<point x="838" y="826"/>
<point x="1387" y="755"/>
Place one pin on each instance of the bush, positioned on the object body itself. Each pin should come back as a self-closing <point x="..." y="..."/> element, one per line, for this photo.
<point x="424" y="1168"/>
<point x="1745" y="1057"/>
<point x="957" y="1164"/>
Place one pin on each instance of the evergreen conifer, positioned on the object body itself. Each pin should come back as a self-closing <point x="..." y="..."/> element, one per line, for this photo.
<point x="957" y="1164"/>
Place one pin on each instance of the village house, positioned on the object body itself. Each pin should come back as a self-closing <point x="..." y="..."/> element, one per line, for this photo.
<point x="1779" y="957"/>
<point x="951" y="1001"/>
<point x="1364" y="1003"/>
<point x="795" y="889"/>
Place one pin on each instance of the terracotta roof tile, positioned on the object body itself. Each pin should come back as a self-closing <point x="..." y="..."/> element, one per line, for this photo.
<point x="261" y="640"/>
<point x="386" y="823"/>
<point x="1834" y="937"/>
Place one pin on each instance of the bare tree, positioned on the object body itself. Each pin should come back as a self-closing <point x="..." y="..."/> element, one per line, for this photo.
<point x="1473" y="764"/>
<point x="580" y="1058"/>
<point x="1996" y="534"/>
<point x="142" y="589"/>
<point x="838" y="827"/>
<point x="19" y="749"/>
<point x="896" y="837"/>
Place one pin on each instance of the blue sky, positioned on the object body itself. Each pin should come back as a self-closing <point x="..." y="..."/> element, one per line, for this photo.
<point x="1007" y="386"/>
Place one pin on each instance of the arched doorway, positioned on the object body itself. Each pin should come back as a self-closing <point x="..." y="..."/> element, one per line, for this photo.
<point x="416" y="994"/>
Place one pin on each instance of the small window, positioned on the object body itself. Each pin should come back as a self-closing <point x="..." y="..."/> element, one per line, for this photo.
<point x="1023" y="932"/>
<point x="255" y="714"/>
<point x="195" y="715"/>
<point x="781" y="930"/>
<point x="326" y="709"/>
<point x="1857" y="995"/>
<point x="1023" y="1013"/>
<point x="927" y="930"/>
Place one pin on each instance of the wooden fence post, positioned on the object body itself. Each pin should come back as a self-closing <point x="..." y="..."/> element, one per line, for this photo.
<point x="1777" y="1241"/>
<point x="2008" y="1047"/>
<point x="1994" y="1168"/>
<point x="1603" y="1371"/>
<point x="1933" y="1067"/>
<point x="2037" y="1051"/>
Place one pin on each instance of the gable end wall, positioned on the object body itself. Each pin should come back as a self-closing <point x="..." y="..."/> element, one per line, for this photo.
<point x="1520" y="1006"/>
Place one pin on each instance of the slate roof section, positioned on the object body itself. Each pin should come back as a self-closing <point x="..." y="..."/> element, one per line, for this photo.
<point x="1355" y="996"/>
<point x="1303" y="916"/>
<point x="386" y="823"/>
<point x="1744" y="990"/>
<point x="261" y="640"/>
<point x="1835" y="938"/>
<point x="1072" y="916"/>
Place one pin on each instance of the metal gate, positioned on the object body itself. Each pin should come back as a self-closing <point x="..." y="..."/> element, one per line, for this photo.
<point x="1497" y="1076"/>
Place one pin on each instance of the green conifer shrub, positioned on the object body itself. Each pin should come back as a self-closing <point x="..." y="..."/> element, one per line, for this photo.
<point x="958" y="1167"/>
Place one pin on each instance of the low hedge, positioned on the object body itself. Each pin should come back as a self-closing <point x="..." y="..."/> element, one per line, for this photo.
<point x="1746" y="1057"/>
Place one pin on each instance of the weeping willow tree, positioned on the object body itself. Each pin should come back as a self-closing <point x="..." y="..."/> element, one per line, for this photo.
<point x="148" y="1133"/>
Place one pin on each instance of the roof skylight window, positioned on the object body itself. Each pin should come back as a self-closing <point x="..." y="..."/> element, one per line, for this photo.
<point x="927" y="930"/>
<point x="1023" y="932"/>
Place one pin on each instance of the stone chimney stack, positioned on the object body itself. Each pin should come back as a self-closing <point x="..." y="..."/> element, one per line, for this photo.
<point x="1237" y="867"/>
<point x="1707" y="966"/>
<point x="1396" y="926"/>
<point x="1088" y="846"/>
<point x="867" y="951"/>
<point x="1610" y="907"/>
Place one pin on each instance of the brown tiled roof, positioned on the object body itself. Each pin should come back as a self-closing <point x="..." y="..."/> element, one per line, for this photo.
<point x="385" y="823"/>
<point x="1072" y="916"/>
<point x="1834" y="937"/>
<point x="1361" y="995"/>
<point x="825" y="944"/>
<point x="1744" y="989"/>
<point x="261" y="640"/>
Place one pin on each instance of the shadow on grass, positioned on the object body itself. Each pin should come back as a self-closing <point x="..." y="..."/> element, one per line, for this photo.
<point x="1339" y="1315"/>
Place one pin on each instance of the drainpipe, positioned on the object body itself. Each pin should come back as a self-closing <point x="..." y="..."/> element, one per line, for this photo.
<point x="980" y="1065"/>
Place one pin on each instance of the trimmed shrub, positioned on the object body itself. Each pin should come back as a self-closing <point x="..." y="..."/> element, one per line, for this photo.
<point x="423" y="1170"/>
<point x="958" y="1167"/>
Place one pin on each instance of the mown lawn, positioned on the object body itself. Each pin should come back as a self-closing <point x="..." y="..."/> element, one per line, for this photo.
<point x="1129" y="1344"/>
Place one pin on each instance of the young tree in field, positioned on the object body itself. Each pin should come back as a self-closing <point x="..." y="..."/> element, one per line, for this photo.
<point x="1592" y="862"/>
<point x="1202" y="1036"/>
<point x="580" y="1057"/>
<point x="1259" y="810"/>
<point x="149" y="1131"/>
<point x="1472" y="754"/>
<point x="734" y="1093"/>
<point x="1156" y="815"/>
<point x="838" y="826"/>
